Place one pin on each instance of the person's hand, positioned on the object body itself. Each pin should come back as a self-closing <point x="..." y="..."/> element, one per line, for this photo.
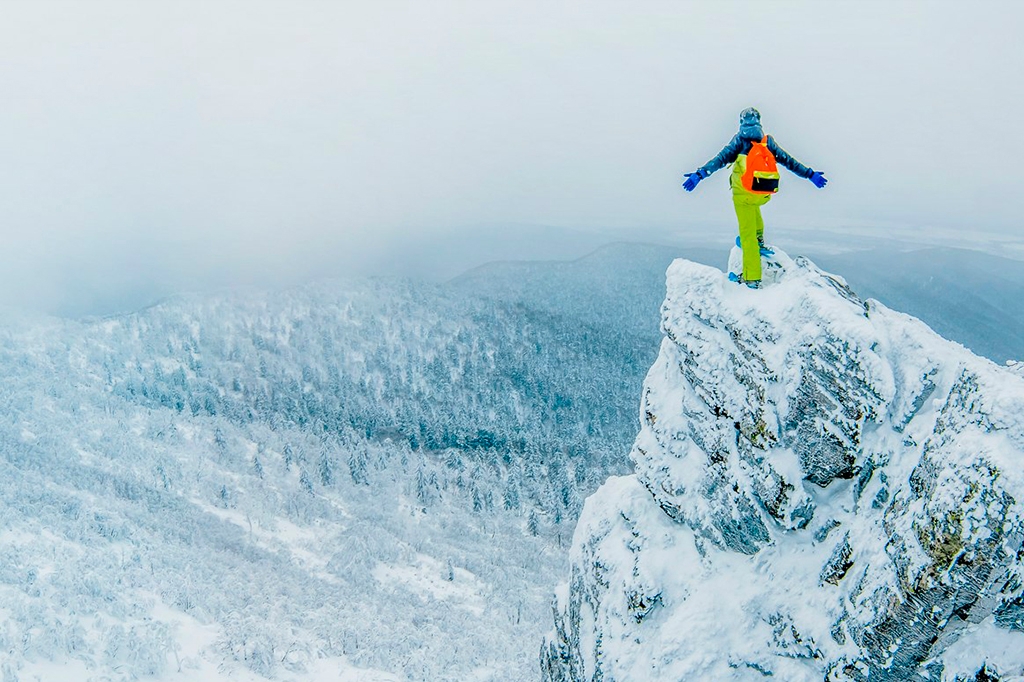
<point x="691" y="181"/>
<point x="819" y="179"/>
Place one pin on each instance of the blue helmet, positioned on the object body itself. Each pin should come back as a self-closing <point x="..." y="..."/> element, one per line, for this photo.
<point x="750" y="124"/>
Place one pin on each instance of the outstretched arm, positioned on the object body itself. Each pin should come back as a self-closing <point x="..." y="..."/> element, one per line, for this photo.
<point x="783" y="157"/>
<point x="726" y="156"/>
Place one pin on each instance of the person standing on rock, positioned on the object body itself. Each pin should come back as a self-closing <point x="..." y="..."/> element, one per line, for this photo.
<point x="755" y="178"/>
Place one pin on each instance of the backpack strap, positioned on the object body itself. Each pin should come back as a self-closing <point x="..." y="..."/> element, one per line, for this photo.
<point x="764" y="140"/>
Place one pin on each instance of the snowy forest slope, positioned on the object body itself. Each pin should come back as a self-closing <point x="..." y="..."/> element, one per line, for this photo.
<point x="374" y="474"/>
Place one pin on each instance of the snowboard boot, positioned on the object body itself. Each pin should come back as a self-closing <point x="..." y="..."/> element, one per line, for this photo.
<point x="753" y="284"/>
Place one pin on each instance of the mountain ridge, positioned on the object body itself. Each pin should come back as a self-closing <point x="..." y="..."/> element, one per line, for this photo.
<point x="825" y="489"/>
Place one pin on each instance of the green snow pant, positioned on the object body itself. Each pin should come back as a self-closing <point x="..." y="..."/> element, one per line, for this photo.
<point x="748" y="212"/>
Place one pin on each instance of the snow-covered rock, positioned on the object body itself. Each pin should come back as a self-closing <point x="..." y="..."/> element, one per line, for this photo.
<point x="824" y="489"/>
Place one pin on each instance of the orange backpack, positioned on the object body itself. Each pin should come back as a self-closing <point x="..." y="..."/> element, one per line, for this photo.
<point x="762" y="174"/>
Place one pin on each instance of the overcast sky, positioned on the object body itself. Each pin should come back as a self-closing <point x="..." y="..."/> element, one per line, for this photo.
<point x="165" y="143"/>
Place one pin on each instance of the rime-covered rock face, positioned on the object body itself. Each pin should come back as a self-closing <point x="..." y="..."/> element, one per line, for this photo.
<point x="824" y="489"/>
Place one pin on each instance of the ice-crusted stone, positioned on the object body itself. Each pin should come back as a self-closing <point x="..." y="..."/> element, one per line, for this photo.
<point x="824" y="489"/>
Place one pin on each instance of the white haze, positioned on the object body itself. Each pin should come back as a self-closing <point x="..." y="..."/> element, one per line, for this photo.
<point x="149" y="147"/>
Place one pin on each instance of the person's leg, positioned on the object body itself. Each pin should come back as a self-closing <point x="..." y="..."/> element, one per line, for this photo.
<point x="760" y="226"/>
<point x="749" y="217"/>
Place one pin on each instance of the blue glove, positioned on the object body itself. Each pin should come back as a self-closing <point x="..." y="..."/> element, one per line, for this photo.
<point x="691" y="181"/>
<point x="818" y="179"/>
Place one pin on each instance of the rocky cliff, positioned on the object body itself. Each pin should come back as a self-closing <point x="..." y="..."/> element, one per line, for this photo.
<point x="824" y="489"/>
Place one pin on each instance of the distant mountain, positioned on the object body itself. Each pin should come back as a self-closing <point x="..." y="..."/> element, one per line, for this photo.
<point x="619" y="286"/>
<point x="970" y="297"/>
<point x="967" y="296"/>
